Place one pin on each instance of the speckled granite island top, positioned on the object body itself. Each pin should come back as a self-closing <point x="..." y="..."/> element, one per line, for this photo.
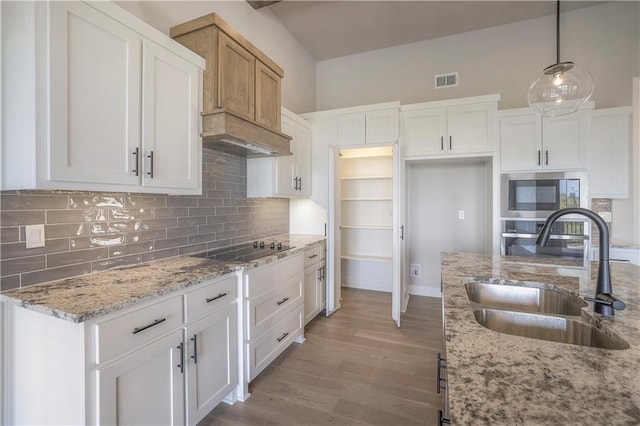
<point x="500" y="379"/>
<point x="89" y="296"/>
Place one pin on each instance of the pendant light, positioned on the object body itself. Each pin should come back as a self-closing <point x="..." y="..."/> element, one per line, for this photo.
<point x="564" y="86"/>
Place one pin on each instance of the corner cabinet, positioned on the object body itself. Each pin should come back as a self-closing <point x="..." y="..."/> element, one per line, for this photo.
<point x="443" y="128"/>
<point x="529" y="142"/>
<point x="609" y="153"/>
<point x="285" y="176"/>
<point x="102" y="102"/>
<point x="169" y="361"/>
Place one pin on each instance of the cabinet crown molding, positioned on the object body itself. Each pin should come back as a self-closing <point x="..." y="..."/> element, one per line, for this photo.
<point x="451" y="102"/>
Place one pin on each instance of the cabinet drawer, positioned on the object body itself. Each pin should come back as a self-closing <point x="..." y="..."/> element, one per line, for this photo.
<point x="138" y="326"/>
<point x="212" y="296"/>
<point x="313" y="255"/>
<point x="260" y="280"/>
<point x="276" y="339"/>
<point x="265" y="310"/>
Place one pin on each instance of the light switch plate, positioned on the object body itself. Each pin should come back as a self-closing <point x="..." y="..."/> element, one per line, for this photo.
<point x="34" y="235"/>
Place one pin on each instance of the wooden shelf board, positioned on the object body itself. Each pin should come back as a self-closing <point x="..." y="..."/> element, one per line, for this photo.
<point x="373" y="227"/>
<point x="365" y="177"/>
<point x="366" y="199"/>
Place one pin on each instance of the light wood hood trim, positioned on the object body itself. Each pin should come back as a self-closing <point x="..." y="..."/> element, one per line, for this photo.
<point x="221" y="124"/>
<point x="214" y="19"/>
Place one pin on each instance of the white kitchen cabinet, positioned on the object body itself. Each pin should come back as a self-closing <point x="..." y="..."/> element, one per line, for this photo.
<point x="618" y="254"/>
<point x="145" y="387"/>
<point x="609" y="153"/>
<point x="211" y="362"/>
<point x="529" y="142"/>
<point x="107" y="103"/>
<point x="314" y="281"/>
<point x="274" y="312"/>
<point x="284" y="176"/>
<point x="167" y="361"/>
<point x="459" y="127"/>
<point x="374" y="127"/>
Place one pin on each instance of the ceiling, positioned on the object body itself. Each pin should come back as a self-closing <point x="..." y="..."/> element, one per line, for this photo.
<point x="330" y="29"/>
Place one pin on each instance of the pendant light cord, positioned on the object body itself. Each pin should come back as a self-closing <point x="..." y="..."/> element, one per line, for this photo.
<point x="558" y="32"/>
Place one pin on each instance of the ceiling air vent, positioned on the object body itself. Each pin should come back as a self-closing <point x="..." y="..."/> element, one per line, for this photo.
<point x="446" y="80"/>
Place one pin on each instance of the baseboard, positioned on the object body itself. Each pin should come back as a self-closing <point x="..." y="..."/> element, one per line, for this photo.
<point x="419" y="290"/>
<point x="368" y="285"/>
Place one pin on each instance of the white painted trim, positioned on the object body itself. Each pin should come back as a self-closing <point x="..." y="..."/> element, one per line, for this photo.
<point x="420" y="290"/>
<point x="635" y="152"/>
<point x="330" y="113"/>
<point x="451" y="102"/>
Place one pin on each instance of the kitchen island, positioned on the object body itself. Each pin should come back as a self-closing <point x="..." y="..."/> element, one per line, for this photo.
<point x="501" y="379"/>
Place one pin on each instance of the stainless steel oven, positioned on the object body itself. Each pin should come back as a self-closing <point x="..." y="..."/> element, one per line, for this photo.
<point x="536" y="195"/>
<point x="569" y="240"/>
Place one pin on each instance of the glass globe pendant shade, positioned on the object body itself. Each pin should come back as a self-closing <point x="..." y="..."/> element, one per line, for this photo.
<point x="562" y="89"/>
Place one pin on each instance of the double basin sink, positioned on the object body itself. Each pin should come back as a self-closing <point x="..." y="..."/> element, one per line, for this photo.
<point x="538" y="313"/>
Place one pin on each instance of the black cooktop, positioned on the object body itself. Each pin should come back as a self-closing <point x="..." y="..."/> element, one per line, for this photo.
<point x="245" y="252"/>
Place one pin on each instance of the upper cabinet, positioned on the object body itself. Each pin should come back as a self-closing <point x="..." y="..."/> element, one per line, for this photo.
<point x="529" y="142"/>
<point x="457" y="127"/>
<point x="242" y="87"/>
<point x="102" y="102"/>
<point x="375" y="127"/>
<point x="609" y="153"/>
<point x="288" y="175"/>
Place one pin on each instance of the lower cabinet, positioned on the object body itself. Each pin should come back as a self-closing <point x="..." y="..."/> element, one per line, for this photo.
<point x="314" y="282"/>
<point x="145" y="387"/>
<point x="274" y="311"/>
<point x="169" y="361"/>
<point x="211" y="362"/>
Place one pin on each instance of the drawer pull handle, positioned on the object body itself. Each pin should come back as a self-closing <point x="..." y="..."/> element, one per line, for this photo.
<point x="181" y="364"/>
<point x="281" y="338"/>
<point x="282" y="301"/>
<point x="439" y="378"/>
<point x="217" y="297"/>
<point x="194" y="339"/>
<point x="156" y="322"/>
<point x="312" y="256"/>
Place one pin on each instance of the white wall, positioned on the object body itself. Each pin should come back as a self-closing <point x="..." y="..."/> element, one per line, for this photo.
<point x="436" y="192"/>
<point x="503" y="59"/>
<point x="260" y="27"/>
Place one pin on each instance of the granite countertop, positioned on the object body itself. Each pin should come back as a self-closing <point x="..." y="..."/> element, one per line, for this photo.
<point x="84" y="297"/>
<point x="500" y="379"/>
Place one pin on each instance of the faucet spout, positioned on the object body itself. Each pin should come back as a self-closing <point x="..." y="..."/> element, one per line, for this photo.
<point x="604" y="302"/>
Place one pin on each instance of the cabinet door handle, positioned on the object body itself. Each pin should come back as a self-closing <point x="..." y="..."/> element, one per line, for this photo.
<point x="282" y="301"/>
<point x="181" y="359"/>
<point x="150" y="157"/>
<point x="143" y="328"/>
<point x="312" y="256"/>
<point x="441" y="143"/>
<point x="402" y="232"/>
<point x="281" y="338"/>
<point x="136" y="155"/>
<point x="300" y="188"/>
<point x="539" y="157"/>
<point x="442" y="420"/>
<point x="546" y="157"/>
<point x="450" y="143"/>
<point x="439" y="378"/>
<point x="220" y="295"/>
<point x="322" y="276"/>
<point x="194" y="339"/>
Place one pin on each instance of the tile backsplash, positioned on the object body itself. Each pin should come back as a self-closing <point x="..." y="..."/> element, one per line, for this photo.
<point x="89" y="232"/>
<point x="599" y="205"/>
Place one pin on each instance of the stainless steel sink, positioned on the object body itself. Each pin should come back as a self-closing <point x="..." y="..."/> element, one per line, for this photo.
<point x="529" y="299"/>
<point x="547" y="327"/>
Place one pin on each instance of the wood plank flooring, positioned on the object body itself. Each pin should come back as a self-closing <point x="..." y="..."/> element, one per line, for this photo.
<point x="355" y="368"/>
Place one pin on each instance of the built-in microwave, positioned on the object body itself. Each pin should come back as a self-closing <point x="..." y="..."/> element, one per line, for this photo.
<point x="536" y="195"/>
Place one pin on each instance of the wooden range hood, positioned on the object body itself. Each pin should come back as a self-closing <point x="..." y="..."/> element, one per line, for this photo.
<point x="242" y="90"/>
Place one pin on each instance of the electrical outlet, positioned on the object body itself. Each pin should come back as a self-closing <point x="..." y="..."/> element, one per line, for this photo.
<point x="416" y="270"/>
<point x="34" y="236"/>
<point x="460" y="214"/>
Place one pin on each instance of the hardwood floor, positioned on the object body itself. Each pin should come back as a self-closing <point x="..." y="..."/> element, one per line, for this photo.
<point x="355" y="368"/>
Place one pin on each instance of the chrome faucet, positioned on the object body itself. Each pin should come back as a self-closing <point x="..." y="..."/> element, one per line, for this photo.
<point x="603" y="303"/>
